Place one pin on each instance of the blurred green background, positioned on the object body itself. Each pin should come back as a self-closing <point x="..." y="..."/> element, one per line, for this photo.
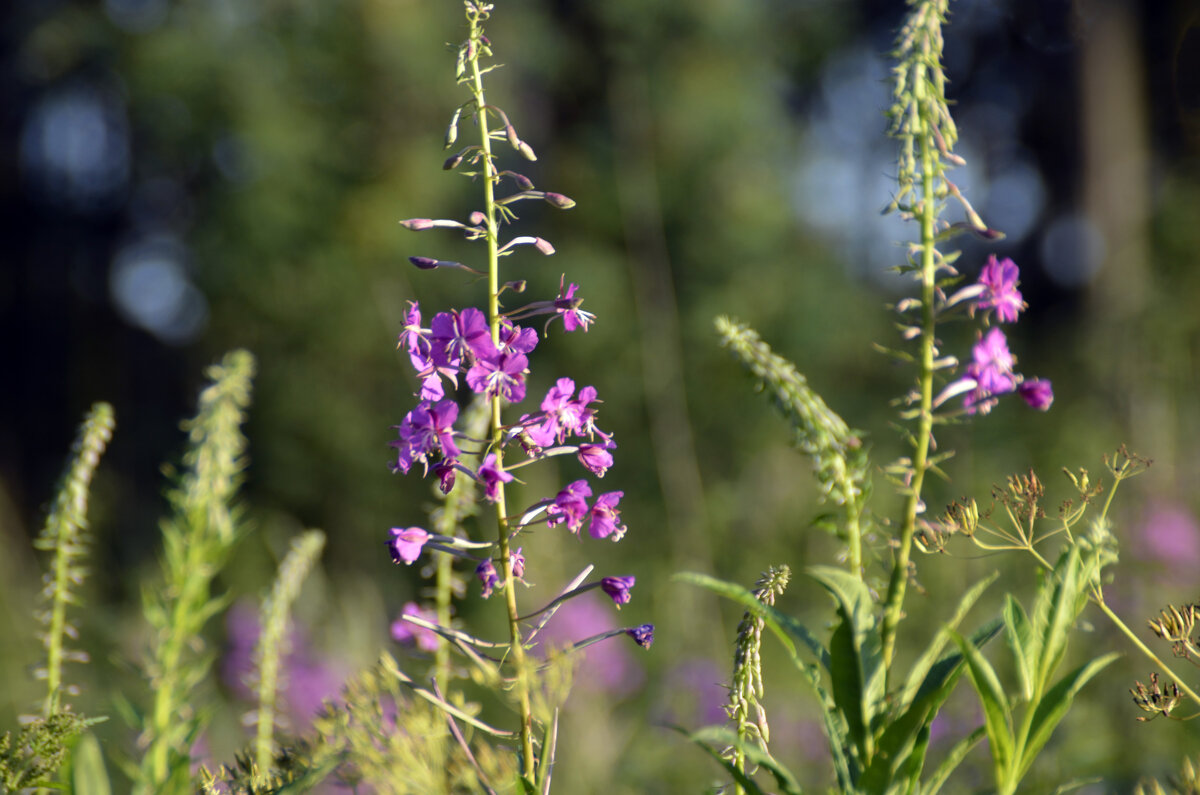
<point x="182" y="177"/>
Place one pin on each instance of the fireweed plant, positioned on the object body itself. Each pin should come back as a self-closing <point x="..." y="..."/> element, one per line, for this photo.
<point x="485" y="351"/>
<point x="878" y="719"/>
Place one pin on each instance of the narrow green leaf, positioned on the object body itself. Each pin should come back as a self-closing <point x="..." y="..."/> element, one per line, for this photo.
<point x="895" y="749"/>
<point x="920" y="669"/>
<point x="784" y="626"/>
<point x="855" y="655"/>
<point x="722" y="736"/>
<point x="1022" y="643"/>
<point x="952" y="761"/>
<point x="741" y="778"/>
<point x="1054" y="706"/>
<point x="1060" y="615"/>
<point x="88" y="774"/>
<point x="996" y="715"/>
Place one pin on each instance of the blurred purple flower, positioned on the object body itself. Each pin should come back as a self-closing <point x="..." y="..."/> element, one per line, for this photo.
<point x="307" y="680"/>
<point x="404" y="632"/>
<point x="999" y="279"/>
<point x="618" y="588"/>
<point x="608" y="666"/>
<point x="642" y="635"/>
<point x="1170" y="535"/>
<point x="570" y="506"/>
<point x="491" y="478"/>
<point x="606" y="517"/>
<point x="486" y="572"/>
<point x="406" y="544"/>
<point x="1037" y="393"/>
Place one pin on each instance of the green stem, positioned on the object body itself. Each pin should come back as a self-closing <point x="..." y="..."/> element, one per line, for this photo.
<point x="893" y="607"/>
<point x="1142" y="647"/>
<point x="490" y="178"/>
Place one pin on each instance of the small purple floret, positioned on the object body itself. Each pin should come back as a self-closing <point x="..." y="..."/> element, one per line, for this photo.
<point x="1037" y="393"/>
<point x="606" y="516"/>
<point x="406" y="544"/>
<point x="999" y="279"/>
<point x="404" y="632"/>
<point x="618" y="588"/>
<point x="643" y="635"/>
<point x="486" y="572"/>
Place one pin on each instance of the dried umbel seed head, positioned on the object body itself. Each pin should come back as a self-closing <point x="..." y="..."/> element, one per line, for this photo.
<point x="1154" y="699"/>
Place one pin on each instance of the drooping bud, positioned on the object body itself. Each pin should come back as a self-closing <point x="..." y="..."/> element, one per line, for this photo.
<point x="523" y="182"/>
<point x="452" y="130"/>
<point x="526" y="151"/>
<point x="417" y="224"/>
<point x="511" y="133"/>
<point x="477" y="218"/>
<point x="452" y="162"/>
<point x="560" y="201"/>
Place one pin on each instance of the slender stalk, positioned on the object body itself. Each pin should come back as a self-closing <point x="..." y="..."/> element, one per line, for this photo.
<point x="927" y="214"/>
<point x="1142" y="647"/>
<point x="490" y="178"/>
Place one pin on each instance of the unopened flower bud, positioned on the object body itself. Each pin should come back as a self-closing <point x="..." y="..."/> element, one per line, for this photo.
<point x="452" y="130"/>
<point x="526" y="151"/>
<point x="523" y="182"/>
<point x="559" y="201"/>
<point x="417" y="224"/>
<point x="511" y="132"/>
<point x="543" y="245"/>
<point x="452" y="162"/>
<point x="516" y="287"/>
<point x="477" y="218"/>
<point x="424" y="263"/>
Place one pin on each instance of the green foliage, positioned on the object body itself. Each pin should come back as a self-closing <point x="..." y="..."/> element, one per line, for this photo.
<point x="197" y="540"/>
<point x="272" y="642"/>
<point x="842" y="465"/>
<point x="877" y="743"/>
<point x="65" y="535"/>
<point x="1038" y="645"/>
<point x="38" y="751"/>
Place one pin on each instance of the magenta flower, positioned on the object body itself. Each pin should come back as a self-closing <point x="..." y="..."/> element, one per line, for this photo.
<point x="642" y="635"/>
<point x="618" y="588"/>
<point x="499" y="374"/>
<point x="406" y="544"/>
<point x="404" y="632"/>
<point x="415" y="338"/>
<point x="567" y="307"/>
<point x="999" y="279"/>
<point x="570" y="506"/>
<point x="426" y="429"/>
<point x="565" y="414"/>
<point x="515" y="339"/>
<point x="606" y="516"/>
<point x="1037" y="393"/>
<point x="491" y="478"/>
<point x="596" y="458"/>
<point x="486" y="572"/>
<point x="458" y="335"/>
<point x="991" y="370"/>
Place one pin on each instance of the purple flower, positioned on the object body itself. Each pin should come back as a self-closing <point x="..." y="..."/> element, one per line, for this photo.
<point x="618" y="588"/>
<point x="596" y="458"/>
<point x="570" y="506"/>
<point x="518" y="562"/>
<point x="486" y="572"/>
<point x="457" y="336"/>
<point x="999" y="279"/>
<point x="514" y="339"/>
<point x="426" y="429"/>
<point x="992" y="371"/>
<point x="565" y="414"/>
<point x="491" y="478"/>
<point x="1037" y="393"/>
<point x="606" y="516"/>
<point x="444" y="472"/>
<point x="643" y="635"/>
<point x="404" y="632"/>
<point x="567" y="307"/>
<point x="406" y="544"/>
<point x="499" y="374"/>
<point x="606" y="667"/>
<point x="415" y="338"/>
